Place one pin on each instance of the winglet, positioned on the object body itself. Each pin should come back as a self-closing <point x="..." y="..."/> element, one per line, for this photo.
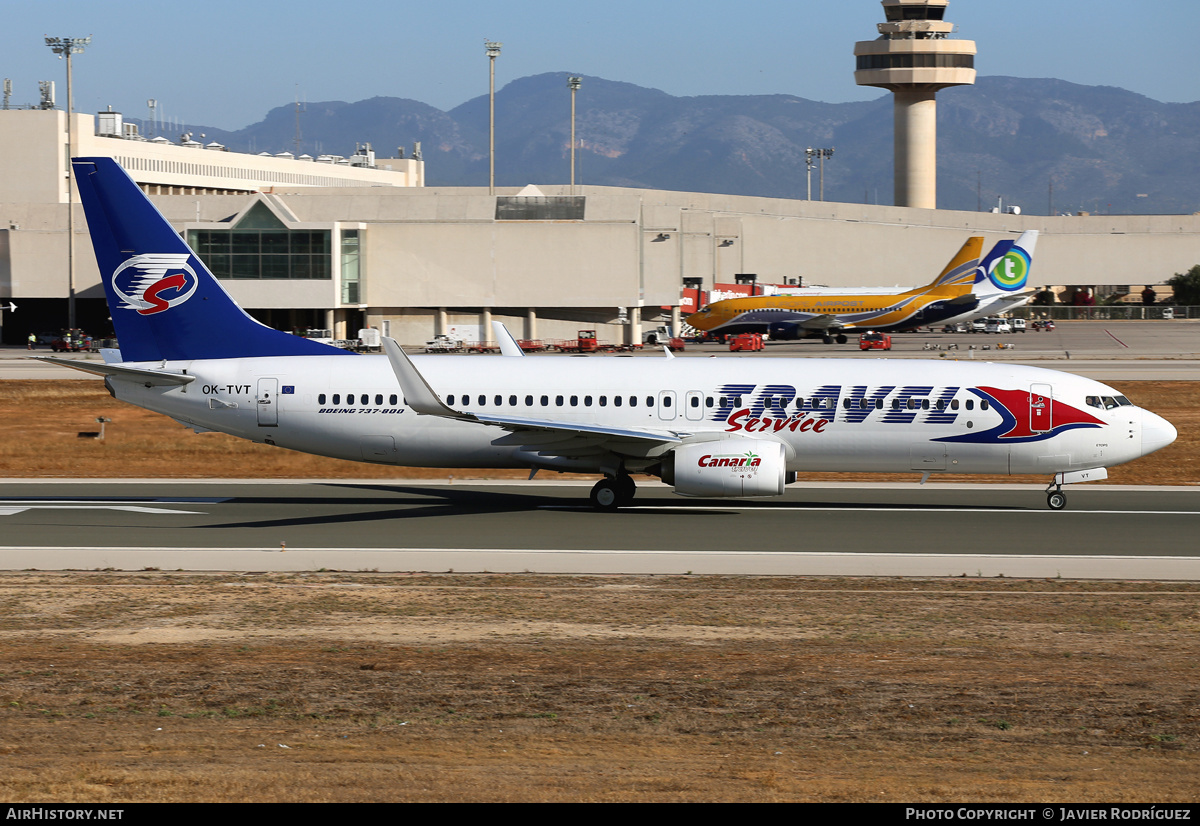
<point x="417" y="393"/>
<point x="508" y="344"/>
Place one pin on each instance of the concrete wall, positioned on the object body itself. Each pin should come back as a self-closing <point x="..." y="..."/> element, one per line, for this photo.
<point x="425" y="249"/>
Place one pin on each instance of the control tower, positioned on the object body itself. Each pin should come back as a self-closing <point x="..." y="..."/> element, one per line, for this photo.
<point x="914" y="57"/>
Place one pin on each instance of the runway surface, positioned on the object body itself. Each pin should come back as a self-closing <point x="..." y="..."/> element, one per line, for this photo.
<point x="815" y="529"/>
<point x="935" y="530"/>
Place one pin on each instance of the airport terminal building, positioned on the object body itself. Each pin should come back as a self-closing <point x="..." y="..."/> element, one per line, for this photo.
<point x="345" y="243"/>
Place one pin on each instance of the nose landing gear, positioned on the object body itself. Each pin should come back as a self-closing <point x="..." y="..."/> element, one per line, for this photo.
<point x="1056" y="499"/>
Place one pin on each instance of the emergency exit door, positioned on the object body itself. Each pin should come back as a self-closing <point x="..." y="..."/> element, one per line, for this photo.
<point x="1041" y="408"/>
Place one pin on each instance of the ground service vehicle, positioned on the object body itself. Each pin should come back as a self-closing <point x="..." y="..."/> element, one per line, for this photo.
<point x="874" y="341"/>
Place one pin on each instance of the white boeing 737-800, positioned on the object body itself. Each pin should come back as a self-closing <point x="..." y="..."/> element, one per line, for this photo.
<point x="727" y="427"/>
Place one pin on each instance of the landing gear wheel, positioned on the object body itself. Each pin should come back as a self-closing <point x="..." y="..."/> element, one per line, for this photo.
<point x="626" y="488"/>
<point x="1056" y="500"/>
<point x="827" y="339"/>
<point x="606" y="495"/>
<point x="841" y="339"/>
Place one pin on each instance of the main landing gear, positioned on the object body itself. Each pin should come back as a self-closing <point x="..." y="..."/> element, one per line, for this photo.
<point x="829" y="339"/>
<point x="610" y="494"/>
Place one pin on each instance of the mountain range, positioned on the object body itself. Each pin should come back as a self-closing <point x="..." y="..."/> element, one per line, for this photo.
<point x="1046" y="145"/>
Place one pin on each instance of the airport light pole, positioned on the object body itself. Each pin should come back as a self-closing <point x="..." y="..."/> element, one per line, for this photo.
<point x="823" y="154"/>
<point x="573" y="83"/>
<point x="65" y="47"/>
<point x="809" y="153"/>
<point x="493" y="51"/>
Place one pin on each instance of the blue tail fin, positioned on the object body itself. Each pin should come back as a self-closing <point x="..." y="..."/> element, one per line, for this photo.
<point x="165" y="303"/>
<point x="1006" y="268"/>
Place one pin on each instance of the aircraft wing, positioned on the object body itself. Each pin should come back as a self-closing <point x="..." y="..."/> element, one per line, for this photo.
<point x="1013" y="298"/>
<point x="822" y="322"/>
<point x="559" y="438"/>
<point x="967" y="298"/>
<point x="147" y="377"/>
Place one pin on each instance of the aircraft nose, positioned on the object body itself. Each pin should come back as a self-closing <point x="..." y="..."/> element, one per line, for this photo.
<point x="1157" y="432"/>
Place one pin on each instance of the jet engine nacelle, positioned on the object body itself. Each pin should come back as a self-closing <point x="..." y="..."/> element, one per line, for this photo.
<point x="730" y="467"/>
<point x="783" y="331"/>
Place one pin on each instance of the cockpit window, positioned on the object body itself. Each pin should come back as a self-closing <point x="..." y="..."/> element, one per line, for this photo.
<point x="1107" y="402"/>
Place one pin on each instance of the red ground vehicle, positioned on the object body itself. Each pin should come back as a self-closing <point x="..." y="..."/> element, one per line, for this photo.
<point x="874" y="341"/>
<point x="748" y="342"/>
<point x="72" y="341"/>
<point x="587" y="341"/>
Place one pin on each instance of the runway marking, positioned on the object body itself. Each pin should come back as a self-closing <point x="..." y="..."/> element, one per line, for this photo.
<point x="658" y="552"/>
<point x="10" y="507"/>
<point x="87" y="500"/>
<point x="1117" y="340"/>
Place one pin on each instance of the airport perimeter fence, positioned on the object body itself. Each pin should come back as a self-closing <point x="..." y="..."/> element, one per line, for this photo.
<point x="1115" y="312"/>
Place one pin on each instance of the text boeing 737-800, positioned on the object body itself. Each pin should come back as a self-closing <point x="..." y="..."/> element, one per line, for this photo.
<point x="708" y="427"/>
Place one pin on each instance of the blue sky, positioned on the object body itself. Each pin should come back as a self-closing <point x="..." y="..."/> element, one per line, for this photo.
<point x="224" y="63"/>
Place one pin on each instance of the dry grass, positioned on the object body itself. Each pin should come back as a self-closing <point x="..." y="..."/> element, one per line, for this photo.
<point x="39" y="421"/>
<point x="335" y="687"/>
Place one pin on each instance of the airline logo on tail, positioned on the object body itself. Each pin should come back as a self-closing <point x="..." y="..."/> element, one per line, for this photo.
<point x="154" y="282"/>
<point x="1011" y="270"/>
<point x="1008" y="264"/>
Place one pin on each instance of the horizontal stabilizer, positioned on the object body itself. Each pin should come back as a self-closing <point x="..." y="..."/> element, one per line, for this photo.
<point x="148" y="377"/>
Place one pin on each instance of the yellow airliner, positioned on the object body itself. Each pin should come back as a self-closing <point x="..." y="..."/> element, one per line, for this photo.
<point x="964" y="288"/>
